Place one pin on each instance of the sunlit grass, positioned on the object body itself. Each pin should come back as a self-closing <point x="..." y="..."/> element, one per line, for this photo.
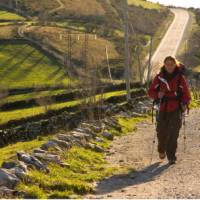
<point x="144" y="4"/>
<point x="8" y="16"/>
<point x="21" y="66"/>
<point x="86" y="167"/>
<point x="32" y="95"/>
<point x="28" y="112"/>
<point x="9" y="152"/>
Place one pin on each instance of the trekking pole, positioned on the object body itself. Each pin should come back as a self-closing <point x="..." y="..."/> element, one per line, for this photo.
<point x="184" y="134"/>
<point x="154" y="137"/>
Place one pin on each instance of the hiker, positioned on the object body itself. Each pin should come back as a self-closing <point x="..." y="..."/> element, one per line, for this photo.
<point x="170" y="91"/>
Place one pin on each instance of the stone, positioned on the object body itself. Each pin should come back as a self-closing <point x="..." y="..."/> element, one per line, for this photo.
<point x="8" y="179"/>
<point x="63" y="164"/>
<point x="9" y="165"/>
<point x="87" y="132"/>
<point x="98" y="139"/>
<point x="90" y="146"/>
<point x="62" y="144"/>
<point x="31" y="160"/>
<point x="98" y="149"/>
<point x="135" y="114"/>
<point x="107" y="135"/>
<point x="80" y="135"/>
<point x="92" y="127"/>
<point x="50" y="144"/>
<point x="38" y="150"/>
<point x="47" y="157"/>
<point x="82" y="132"/>
<point x="95" y="147"/>
<point x="19" y="172"/>
<point x="125" y="114"/>
<point x="6" y="192"/>
<point x="66" y="138"/>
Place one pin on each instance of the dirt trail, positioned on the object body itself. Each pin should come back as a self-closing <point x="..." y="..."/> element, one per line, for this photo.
<point x="156" y="179"/>
<point x="61" y="6"/>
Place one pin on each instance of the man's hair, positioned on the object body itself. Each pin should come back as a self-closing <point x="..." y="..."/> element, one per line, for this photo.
<point x="170" y="58"/>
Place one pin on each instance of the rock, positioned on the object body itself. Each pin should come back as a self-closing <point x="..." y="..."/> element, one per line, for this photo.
<point x="92" y="127"/>
<point x="6" y="192"/>
<point x="98" y="139"/>
<point x="47" y="157"/>
<point x="63" y="164"/>
<point x="31" y="160"/>
<point x="9" y="165"/>
<point x="62" y="144"/>
<point x="16" y="167"/>
<point x="95" y="147"/>
<point x="22" y="165"/>
<point x="38" y="150"/>
<point x="107" y="135"/>
<point x="98" y="149"/>
<point x="19" y="172"/>
<point x="90" y="146"/>
<point x="50" y="144"/>
<point x="66" y="138"/>
<point x="80" y="136"/>
<point x="135" y="114"/>
<point x="72" y="140"/>
<point x="86" y="131"/>
<point x="8" y="179"/>
<point x="125" y="114"/>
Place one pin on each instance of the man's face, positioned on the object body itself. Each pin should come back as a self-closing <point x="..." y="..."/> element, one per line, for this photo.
<point x="170" y="66"/>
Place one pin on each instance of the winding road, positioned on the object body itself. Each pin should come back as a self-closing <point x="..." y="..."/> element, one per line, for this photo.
<point x="172" y="39"/>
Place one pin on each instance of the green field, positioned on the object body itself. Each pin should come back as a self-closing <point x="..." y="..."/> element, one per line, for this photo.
<point x="7" y="116"/>
<point x="8" y="16"/>
<point x="144" y="4"/>
<point x="22" y="66"/>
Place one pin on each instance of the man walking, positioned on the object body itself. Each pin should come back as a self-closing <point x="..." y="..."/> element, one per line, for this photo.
<point x="170" y="90"/>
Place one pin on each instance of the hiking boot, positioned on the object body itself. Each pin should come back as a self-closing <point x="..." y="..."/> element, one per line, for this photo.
<point x="172" y="161"/>
<point x="162" y="156"/>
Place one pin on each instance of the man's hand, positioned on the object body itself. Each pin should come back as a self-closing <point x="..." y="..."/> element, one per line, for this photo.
<point x="161" y="95"/>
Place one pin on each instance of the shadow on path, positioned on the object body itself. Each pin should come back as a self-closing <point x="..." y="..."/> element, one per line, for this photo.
<point x="121" y="181"/>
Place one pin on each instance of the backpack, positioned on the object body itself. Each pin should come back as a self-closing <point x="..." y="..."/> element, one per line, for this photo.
<point x="157" y="102"/>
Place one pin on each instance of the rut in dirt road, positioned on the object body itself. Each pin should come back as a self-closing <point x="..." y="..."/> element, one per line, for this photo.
<point x="156" y="179"/>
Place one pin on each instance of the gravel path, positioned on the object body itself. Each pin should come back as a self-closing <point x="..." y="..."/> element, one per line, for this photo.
<point x="154" y="179"/>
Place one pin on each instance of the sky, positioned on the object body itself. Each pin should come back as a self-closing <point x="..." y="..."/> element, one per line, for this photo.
<point x="182" y="3"/>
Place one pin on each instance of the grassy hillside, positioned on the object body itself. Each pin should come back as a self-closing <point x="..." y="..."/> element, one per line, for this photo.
<point x="8" y="31"/>
<point x="191" y="52"/>
<point x="144" y="4"/>
<point x="8" y="16"/>
<point x="22" y="65"/>
<point x="57" y="38"/>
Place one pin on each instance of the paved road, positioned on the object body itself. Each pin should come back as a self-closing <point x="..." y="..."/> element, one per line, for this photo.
<point x="172" y="39"/>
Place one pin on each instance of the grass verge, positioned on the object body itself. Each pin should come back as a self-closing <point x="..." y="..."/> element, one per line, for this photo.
<point x="85" y="168"/>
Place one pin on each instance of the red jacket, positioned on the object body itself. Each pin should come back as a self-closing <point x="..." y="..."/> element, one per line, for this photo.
<point x="170" y="84"/>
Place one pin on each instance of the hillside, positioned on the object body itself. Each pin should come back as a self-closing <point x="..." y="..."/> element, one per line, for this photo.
<point x="22" y="65"/>
<point x="192" y="53"/>
<point x="50" y="34"/>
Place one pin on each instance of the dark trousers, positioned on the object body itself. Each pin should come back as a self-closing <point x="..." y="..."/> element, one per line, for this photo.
<point x="168" y="127"/>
